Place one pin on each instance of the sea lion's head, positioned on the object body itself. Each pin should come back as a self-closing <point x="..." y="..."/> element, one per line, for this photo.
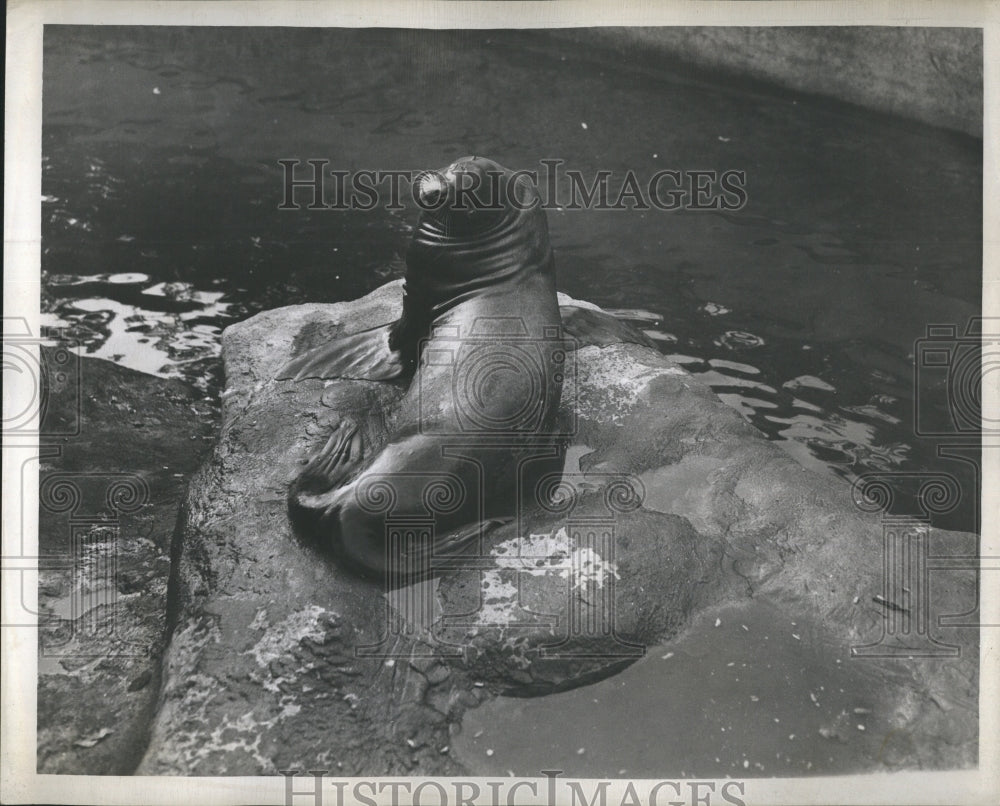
<point x="481" y="226"/>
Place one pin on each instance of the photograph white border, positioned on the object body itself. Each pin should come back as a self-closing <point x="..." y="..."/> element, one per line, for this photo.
<point x="22" y="238"/>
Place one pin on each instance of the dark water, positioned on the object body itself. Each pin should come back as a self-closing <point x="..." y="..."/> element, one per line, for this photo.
<point x="803" y="309"/>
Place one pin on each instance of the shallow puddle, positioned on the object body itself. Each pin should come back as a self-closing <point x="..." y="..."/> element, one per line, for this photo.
<point x="747" y="691"/>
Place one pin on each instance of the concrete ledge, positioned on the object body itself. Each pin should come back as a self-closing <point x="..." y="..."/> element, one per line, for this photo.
<point x="934" y="75"/>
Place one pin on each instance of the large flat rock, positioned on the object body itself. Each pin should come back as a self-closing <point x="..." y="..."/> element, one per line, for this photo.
<point x="670" y="505"/>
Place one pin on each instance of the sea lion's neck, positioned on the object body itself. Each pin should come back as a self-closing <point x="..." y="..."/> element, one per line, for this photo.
<point x="443" y="271"/>
<point x="443" y="268"/>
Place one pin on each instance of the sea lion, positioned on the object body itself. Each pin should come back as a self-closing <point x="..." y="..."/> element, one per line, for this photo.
<point x="480" y="339"/>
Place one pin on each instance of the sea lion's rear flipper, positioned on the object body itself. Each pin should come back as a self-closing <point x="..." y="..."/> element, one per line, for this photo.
<point x="334" y="462"/>
<point x="590" y="326"/>
<point x="460" y="541"/>
<point x="360" y="356"/>
<point x="446" y="553"/>
<point x="313" y="495"/>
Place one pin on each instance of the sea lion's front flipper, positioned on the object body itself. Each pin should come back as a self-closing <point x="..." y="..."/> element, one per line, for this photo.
<point x="360" y="356"/>
<point x="592" y="326"/>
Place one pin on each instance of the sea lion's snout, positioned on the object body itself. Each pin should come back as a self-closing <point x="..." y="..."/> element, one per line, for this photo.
<point x="432" y="190"/>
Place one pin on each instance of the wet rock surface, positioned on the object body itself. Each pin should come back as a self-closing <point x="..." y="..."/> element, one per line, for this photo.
<point x="277" y="659"/>
<point x="671" y="505"/>
<point x="117" y="449"/>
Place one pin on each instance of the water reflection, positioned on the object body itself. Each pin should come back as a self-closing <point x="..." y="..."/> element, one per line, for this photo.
<point x="173" y="343"/>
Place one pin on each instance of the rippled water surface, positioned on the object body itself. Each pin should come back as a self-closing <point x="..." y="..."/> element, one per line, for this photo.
<point x="161" y="187"/>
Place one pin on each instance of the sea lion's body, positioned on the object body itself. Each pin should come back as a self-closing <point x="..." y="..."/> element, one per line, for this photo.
<point x="476" y="428"/>
<point x="481" y="341"/>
